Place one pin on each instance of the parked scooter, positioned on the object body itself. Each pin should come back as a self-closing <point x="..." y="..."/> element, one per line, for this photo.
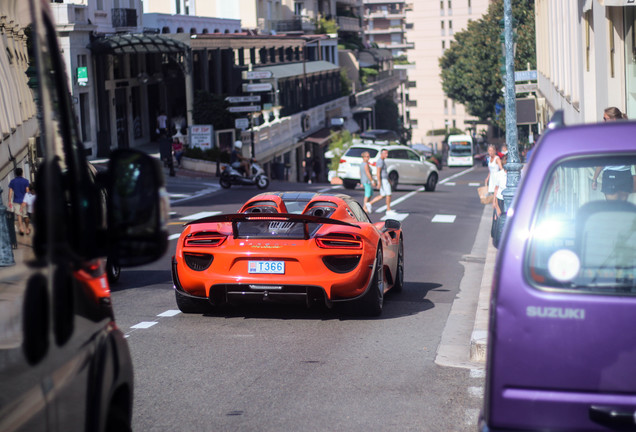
<point x="232" y="176"/>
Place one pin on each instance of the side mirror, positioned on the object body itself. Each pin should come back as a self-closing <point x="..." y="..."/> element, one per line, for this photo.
<point x="392" y="224"/>
<point x="138" y="208"/>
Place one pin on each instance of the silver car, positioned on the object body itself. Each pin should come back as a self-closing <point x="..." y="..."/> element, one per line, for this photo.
<point x="404" y="166"/>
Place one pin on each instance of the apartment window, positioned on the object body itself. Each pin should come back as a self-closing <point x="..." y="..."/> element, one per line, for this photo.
<point x="177" y="7"/>
<point x="85" y="121"/>
<point x="612" y="47"/>
<point x="588" y="47"/>
<point x="81" y="60"/>
<point x="450" y="27"/>
<point x="443" y="29"/>
<point x="299" y="8"/>
<point x="100" y="5"/>
<point x="414" y="123"/>
<point x="450" y="4"/>
<point x="441" y="7"/>
<point x="443" y="45"/>
<point x="445" y="106"/>
<point x="412" y="84"/>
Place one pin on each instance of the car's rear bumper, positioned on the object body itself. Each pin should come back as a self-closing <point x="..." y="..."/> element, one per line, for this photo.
<point x="261" y="292"/>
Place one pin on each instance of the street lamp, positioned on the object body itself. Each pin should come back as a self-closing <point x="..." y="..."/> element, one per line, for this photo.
<point x="513" y="167"/>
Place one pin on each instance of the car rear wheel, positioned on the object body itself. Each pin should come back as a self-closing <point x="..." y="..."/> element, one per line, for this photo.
<point x="394" y="179"/>
<point x="399" y="270"/>
<point x="192" y="305"/>
<point x="431" y="183"/>
<point x="370" y="304"/>
<point x="113" y="270"/>
<point x="349" y="184"/>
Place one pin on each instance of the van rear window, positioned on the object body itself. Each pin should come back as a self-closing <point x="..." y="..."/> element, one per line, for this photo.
<point x="584" y="232"/>
<point x="357" y="152"/>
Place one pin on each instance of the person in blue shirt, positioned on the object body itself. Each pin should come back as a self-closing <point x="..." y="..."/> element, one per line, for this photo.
<point x="17" y="189"/>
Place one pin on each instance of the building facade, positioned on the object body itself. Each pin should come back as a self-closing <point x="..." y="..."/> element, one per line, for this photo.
<point x="384" y="24"/>
<point x="431" y="26"/>
<point x="585" y="58"/>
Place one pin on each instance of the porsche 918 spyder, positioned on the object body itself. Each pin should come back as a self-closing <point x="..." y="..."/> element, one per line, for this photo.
<point x="300" y="247"/>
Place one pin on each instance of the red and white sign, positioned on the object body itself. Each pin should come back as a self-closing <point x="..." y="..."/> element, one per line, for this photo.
<point x="201" y="136"/>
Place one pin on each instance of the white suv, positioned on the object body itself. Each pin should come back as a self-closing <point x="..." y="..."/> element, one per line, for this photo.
<point x="403" y="165"/>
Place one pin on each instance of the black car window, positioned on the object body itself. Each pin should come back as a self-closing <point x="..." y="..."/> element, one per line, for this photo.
<point x="412" y="155"/>
<point x="357" y="152"/>
<point x="398" y="154"/>
<point x="584" y="232"/>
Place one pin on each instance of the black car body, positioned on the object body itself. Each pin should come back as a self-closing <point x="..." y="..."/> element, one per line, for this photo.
<point x="64" y="364"/>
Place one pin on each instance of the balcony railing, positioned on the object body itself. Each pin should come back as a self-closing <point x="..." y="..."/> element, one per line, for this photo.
<point x="287" y="25"/>
<point x="124" y="17"/>
<point x="348" y="23"/>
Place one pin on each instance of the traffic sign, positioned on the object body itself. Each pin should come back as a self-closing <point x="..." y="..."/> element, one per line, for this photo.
<point x="258" y="87"/>
<point x="244" y="108"/>
<point x="527" y="75"/>
<point x="252" y="75"/>
<point x="241" y="99"/>
<point x="525" y="88"/>
<point x="241" y="123"/>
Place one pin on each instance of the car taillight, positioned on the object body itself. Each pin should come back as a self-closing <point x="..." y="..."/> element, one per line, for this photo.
<point x="204" y="238"/>
<point x="372" y="163"/>
<point x="343" y="160"/>
<point x="339" y="241"/>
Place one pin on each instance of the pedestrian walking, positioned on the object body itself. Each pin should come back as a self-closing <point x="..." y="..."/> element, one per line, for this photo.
<point x="494" y="165"/>
<point x="367" y="181"/>
<point x="27" y="203"/>
<point x="500" y="179"/>
<point x="383" y="181"/>
<point x="162" y="123"/>
<point x="17" y="189"/>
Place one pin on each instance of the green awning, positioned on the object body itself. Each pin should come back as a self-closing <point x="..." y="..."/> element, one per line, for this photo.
<point x="136" y="44"/>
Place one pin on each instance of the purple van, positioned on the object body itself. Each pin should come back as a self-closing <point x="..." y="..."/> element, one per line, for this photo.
<point x="562" y="337"/>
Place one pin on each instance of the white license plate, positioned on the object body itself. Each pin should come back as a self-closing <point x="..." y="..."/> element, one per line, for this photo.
<point x="266" y="267"/>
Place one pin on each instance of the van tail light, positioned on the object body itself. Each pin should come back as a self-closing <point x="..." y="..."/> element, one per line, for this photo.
<point x="339" y="241"/>
<point x="204" y="238"/>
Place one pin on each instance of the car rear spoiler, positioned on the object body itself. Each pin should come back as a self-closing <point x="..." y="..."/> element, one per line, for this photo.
<point x="270" y="217"/>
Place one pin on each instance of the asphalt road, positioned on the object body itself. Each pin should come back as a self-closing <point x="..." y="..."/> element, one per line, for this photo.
<point x="275" y="368"/>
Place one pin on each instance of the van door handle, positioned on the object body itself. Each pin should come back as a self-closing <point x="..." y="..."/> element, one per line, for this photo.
<point x="613" y="417"/>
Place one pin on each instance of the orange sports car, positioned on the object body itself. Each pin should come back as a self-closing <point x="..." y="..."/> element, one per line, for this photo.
<point x="301" y="247"/>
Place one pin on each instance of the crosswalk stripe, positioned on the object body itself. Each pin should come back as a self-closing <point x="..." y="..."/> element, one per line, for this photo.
<point x="200" y="215"/>
<point x="396" y="216"/>
<point x="440" y="218"/>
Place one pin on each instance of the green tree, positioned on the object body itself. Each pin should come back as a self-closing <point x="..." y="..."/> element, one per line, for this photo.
<point x="387" y="115"/>
<point x="470" y="66"/>
<point x="209" y="108"/>
<point x="340" y="142"/>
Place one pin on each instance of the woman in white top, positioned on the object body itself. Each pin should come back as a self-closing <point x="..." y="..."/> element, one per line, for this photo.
<point x="494" y="166"/>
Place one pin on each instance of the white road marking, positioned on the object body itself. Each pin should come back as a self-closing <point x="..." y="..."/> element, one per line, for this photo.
<point x="443" y="218"/>
<point x="451" y="184"/>
<point x="200" y="215"/>
<point x="169" y="313"/>
<point x="178" y="195"/>
<point x="174" y="236"/>
<point x="396" y="216"/>
<point x="476" y="391"/>
<point x="477" y="373"/>
<point x="212" y="188"/>
<point x="471" y="416"/>
<point x="327" y="189"/>
<point x="144" y="325"/>
<point x="474" y="184"/>
<point x="454" y="176"/>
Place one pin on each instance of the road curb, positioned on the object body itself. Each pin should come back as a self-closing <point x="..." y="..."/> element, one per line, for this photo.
<point x="479" y="337"/>
<point x="455" y="348"/>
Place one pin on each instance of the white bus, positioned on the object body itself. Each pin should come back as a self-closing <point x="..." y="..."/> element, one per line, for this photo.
<point x="460" y="150"/>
